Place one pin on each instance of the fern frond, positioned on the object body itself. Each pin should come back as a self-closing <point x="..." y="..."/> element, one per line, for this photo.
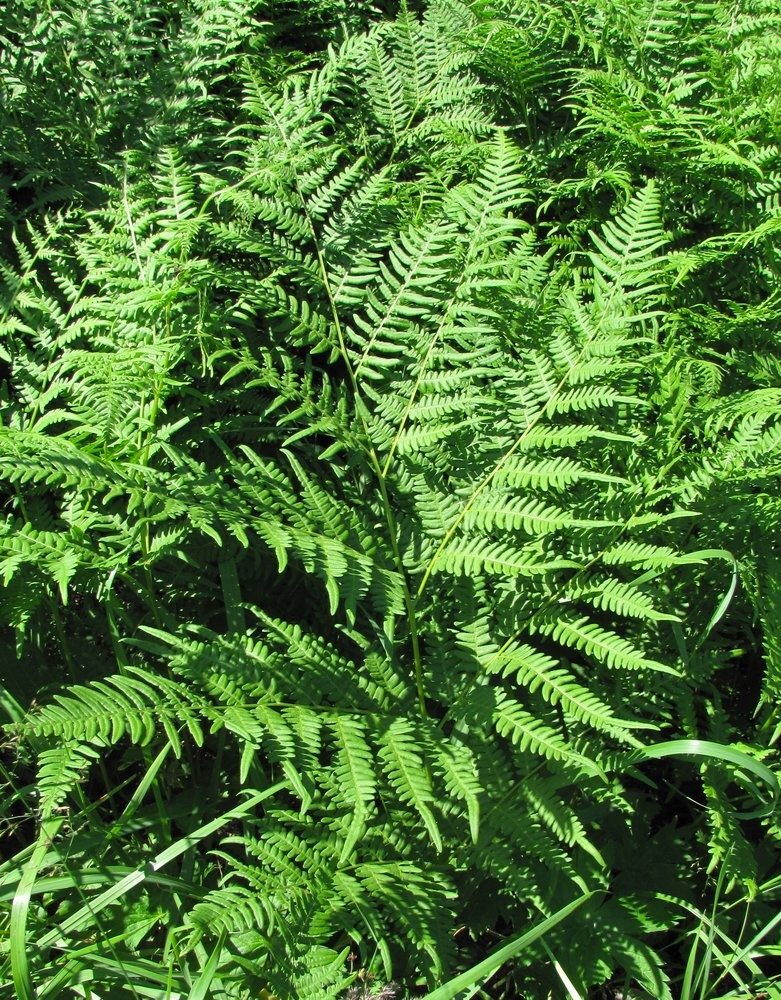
<point x="462" y="780"/>
<point x="628" y="246"/>
<point x="354" y="770"/>
<point x="61" y="768"/>
<point x="528" y="732"/>
<point x="536" y="671"/>
<point x="603" y="644"/>
<point x="134" y="704"/>
<point x="403" y="765"/>
<point x="482" y="556"/>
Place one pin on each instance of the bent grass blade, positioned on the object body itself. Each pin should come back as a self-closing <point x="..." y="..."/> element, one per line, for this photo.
<point x="85" y="914"/>
<point x="465" y="985"/>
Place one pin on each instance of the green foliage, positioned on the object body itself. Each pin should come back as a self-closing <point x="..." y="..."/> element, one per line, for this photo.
<point x="390" y="445"/>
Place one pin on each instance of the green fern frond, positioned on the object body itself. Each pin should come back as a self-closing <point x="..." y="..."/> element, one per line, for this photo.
<point x="462" y="780"/>
<point x="536" y="671"/>
<point x="403" y="765"/>
<point x="505" y="559"/>
<point x="354" y="771"/>
<point x="603" y="644"/>
<point x="628" y="246"/>
<point x="528" y="732"/>
<point x="375" y="394"/>
<point x="61" y="768"/>
<point x="134" y="704"/>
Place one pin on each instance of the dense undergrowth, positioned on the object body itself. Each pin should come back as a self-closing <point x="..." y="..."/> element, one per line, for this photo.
<point x="390" y="423"/>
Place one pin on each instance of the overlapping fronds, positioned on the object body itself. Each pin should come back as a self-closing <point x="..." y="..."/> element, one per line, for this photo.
<point x="390" y="430"/>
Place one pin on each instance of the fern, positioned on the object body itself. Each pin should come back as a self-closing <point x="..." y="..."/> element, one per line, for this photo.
<point x="376" y="426"/>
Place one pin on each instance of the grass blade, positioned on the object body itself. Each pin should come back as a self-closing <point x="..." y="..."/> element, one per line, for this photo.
<point x="467" y="983"/>
<point x="716" y="751"/>
<point x="85" y="914"/>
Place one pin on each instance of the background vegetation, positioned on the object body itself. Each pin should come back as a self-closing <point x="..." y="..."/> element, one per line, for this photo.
<point x="390" y="432"/>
